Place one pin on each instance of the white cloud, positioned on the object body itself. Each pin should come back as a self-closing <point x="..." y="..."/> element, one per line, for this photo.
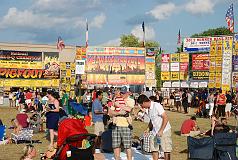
<point x="64" y="5"/>
<point x="113" y="42"/>
<point x="138" y="32"/>
<point x="163" y="11"/>
<point x="26" y="18"/>
<point x="98" y="21"/>
<point x="200" y="6"/>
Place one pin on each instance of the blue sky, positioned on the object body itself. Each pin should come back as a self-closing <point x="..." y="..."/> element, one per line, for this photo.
<point x="42" y="21"/>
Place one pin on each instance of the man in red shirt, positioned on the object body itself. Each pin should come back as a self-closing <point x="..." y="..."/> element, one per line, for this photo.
<point x="189" y="127"/>
<point x="22" y="118"/>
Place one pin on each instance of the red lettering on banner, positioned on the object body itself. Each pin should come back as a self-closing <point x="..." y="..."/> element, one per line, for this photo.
<point x="13" y="73"/>
<point x="21" y="73"/>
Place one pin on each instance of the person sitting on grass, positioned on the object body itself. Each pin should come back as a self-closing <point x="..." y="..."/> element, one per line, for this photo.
<point x="218" y="127"/>
<point x="190" y="128"/>
<point x="29" y="152"/>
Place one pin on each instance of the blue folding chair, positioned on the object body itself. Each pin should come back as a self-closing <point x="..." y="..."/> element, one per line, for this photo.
<point x="2" y="132"/>
<point x="79" y="108"/>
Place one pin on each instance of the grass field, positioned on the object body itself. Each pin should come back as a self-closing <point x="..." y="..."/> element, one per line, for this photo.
<point x="13" y="151"/>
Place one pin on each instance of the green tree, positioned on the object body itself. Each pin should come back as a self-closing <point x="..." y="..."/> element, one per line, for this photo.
<point x="132" y="41"/>
<point x="213" y="32"/>
<point x="129" y="41"/>
<point x="149" y="44"/>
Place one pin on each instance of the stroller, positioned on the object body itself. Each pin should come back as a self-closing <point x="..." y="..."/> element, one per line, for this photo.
<point x="72" y="136"/>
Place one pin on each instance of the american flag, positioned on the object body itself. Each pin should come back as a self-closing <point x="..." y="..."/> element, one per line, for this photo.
<point x="60" y="44"/>
<point x="230" y="18"/>
<point x="86" y="33"/>
<point x="179" y="38"/>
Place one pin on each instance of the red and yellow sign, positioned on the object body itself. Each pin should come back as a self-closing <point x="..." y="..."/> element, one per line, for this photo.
<point x="25" y="73"/>
<point x="80" y="53"/>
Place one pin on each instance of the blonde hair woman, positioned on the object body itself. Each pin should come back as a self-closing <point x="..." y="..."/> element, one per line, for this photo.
<point x="29" y="152"/>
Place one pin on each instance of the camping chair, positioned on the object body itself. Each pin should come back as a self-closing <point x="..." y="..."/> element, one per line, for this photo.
<point x="225" y="146"/>
<point x="79" y="108"/>
<point x="25" y="135"/>
<point x="200" y="148"/>
<point x="2" y="132"/>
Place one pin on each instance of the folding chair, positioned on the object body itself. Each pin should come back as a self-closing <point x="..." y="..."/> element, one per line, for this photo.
<point x="201" y="149"/>
<point x="225" y="146"/>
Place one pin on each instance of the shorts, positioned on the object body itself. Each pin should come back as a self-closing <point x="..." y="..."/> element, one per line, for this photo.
<point x="166" y="141"/>
<point x="178" y="103"/>
<point x="28" y="101"/>
<point x="98" y="128"/>
<point x="171" y="102"/>
<point x="228" y="107"/>
<point x="121" y="135"/>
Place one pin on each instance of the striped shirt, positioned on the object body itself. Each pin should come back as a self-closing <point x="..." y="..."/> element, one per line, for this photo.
<point x="121" y="101"/>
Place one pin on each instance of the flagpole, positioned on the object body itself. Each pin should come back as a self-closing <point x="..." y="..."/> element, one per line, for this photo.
<point x="233" y="40"/>
<point x="143" y="28"/>
<point x="86" y="38"/>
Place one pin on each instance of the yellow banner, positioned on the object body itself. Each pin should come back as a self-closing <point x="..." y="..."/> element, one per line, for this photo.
<point x="183" y="76"/>
<point x="30" y="83"/>
<point x="174" y="76"/>
<point x="55" y="82"/>
<point x="211" y="85"/>
<point x="225" y="87"/>
<point x="68" y="88"/>
<point x="68" y="73"/>
<point x="218" y="85"/>
<point x="165" y="76"/>
<point x="219" y="48"/>
<point x="213" y="48"/>
<point x="21" y="64"/>
<point x="72" y="81"/>
<point x="62" y="65"/>
<point x="174" y="57"/>
<point x="212" y="59"/>
<point x="184" y="57"/>
<point x="1" y="83"/>
<point x="72" y="66"/>
<point x="236" y="49"/>
<point x="227" y="45"/>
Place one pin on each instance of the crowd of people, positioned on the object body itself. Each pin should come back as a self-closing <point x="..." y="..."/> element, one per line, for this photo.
<point x="113" y="110"/>
<point x="207" y="103"/>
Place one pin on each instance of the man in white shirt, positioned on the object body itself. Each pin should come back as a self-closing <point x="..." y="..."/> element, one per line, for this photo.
<point x="161" y="125"/>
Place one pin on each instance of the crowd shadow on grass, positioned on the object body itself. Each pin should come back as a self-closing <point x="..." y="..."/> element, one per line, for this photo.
<point x="177" y="133"/>
<point x="184" y="151"/>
